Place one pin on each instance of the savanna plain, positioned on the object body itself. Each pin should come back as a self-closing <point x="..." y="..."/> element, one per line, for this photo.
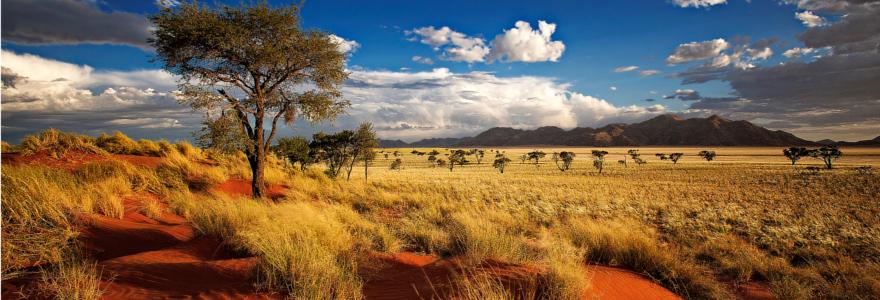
<point x="91" y="217"/>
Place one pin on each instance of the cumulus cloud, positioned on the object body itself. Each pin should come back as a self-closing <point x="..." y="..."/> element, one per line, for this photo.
<point x="698" y="3"/>
<point x="71" y="22"/>
<point x="524" y="44"/>
<point x="625" y="69"/>
<point x="423" y="60"/>
<point x="50" y="93"/>
<point x="455" y="46"/>
<point x="809" y="19"/>
<point x="343" y="45"/>
<point x="694" y="51"/>
<point x="797" y="52"/>
<point x="415" y="105"/>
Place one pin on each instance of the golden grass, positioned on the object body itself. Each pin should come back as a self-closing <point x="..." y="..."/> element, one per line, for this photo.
<point x="73" y="279"/>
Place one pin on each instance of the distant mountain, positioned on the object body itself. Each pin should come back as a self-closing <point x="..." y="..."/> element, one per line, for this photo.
<point x="871" y="142"/>
<point x="664" y="130"/>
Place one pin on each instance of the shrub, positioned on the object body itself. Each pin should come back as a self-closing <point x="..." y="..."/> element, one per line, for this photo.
<point x="118" y="143"/>
<point x="57" y="143"/>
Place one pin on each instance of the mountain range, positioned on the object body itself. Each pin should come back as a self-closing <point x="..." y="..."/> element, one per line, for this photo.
<point x="663" y="130"/>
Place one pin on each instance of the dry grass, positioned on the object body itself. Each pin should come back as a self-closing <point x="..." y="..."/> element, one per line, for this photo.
<point x="694" y="227"/>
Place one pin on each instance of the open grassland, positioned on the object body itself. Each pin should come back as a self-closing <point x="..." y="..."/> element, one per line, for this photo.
<point x="700" y="229"/>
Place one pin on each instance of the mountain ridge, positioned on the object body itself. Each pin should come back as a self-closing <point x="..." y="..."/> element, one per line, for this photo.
<point x="663" y="130"/>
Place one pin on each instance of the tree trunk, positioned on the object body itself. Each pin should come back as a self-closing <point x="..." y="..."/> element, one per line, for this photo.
<point x="366" y="164"/>
<point x="258" y="166"/>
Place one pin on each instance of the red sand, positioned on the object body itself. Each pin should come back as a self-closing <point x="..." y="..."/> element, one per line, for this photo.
<point x="615" y="283"/>
<point x="241" y="187"/>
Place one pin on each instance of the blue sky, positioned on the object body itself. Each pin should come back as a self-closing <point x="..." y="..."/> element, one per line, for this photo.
<point x="598" y="37"/>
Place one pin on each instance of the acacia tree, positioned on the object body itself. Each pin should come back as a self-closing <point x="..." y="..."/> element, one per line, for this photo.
<point x="433" y="160"/>
<point x="708" y="155"/>
<point x="363" y="143"/>
<point x="536" y="156"/>
<point x="296" y="149"/>
<point x="500" y="162"/>
<point x="599" y="159"/>
<point x="458" y="157"/>
<point x="523" y="158"/>
<point x="674" y="157"/>
<point x="827" y="154"/>
<point x="333" y="149"/>
<point x="478" y="155"/>
<point x="661" y="156"/>
<point x="795" y="154"/>
<point x="566" y="157"/>
<point x="395" y="165"/>
<point x="254" y="62"/>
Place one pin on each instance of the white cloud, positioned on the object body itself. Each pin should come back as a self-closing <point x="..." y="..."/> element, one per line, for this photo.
<point x="613" y="88"/>
<point x="698" y="3"/>
<point x="456" y="46"/>
<point x="797" y="52"/>
<point x="524" y="44"/>
<point x="809" y="19"/>
<point x="759" y="54"/>
<point x="423" y="60"/>
<point x="415" y="105"/>
<point x="167" y="3"/>
<point x="625" y="69"/>
<point x="343" y="45"/>
<point x="697" y="51"/>
<point x="649" y="72"/>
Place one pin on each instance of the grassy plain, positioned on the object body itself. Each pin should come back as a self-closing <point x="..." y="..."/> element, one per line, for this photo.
<point x="701" y="229"/>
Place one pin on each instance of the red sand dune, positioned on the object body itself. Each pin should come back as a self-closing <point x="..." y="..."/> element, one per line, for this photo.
<point x="241" y="187"/>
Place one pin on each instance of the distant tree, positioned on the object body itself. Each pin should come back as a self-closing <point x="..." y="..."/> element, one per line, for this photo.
<point x="221" y="133"/>
<point x="536" y="156"/>
<point x="523" y="158"/>
<point x="396" y="164"/>
<point x="433" y="160"/>
<point x="674" y="157"/>
<point x="566" y="157"/>
<point x="599" y="159"/>
<point x="396" y="153"/>
<point x="295" y="149"/>
<point x="478" y="155"/>
<point x="661" y="156"/>
<point x="457" y="157"/>
<point x="364" y="143"/>
<point x="414" y="151"/>
<point x="708" y="155"/>
<point x="254" y="61"/>
<point x="500" y="162"/>
<point x="827" y="154"/>
<point x="434" y="152"/>
<point x="333" y="149"/>
<point x="385" y="154"/>
<point x="795" y="154"/>
<point x="441" y="162"/>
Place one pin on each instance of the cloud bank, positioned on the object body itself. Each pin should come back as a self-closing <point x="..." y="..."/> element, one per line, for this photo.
<point x="521" y="43"/>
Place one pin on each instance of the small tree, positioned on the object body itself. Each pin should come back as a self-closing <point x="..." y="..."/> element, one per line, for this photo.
<point x="458" y="157"/>
<point x="536" y="156"/>
<point x="708" y="155"/>
<point x="674" y="157"/>
<point x="333" y="149"/>
<point x="441" y="162"/>
<point x="523" y="158"/>
<point x="295" y="149"/>
<point x="661" y="156"/>
<point x="500" y="162"/>
<point x="795" y="154"/>
<point x="566" y="157"/>
<point x="363" y="143"/>
<point x="434" y="152"/>
<point x="478" y="155"/>
<point x="827" y="154"/>
<point x="433" y="160"/>
<point x="599" y="159"/>
<point x="396" y="164"/>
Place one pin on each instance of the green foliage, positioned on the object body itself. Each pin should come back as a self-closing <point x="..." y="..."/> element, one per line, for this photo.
<point x="501" y="162"/>
<point x="223" y="134"/>
<point x="296" y="149"/>
<point x="795" y="153"/>
<point x="536" y="156"/>
<point x="599" y="159"/>
<point x="565" y="157"/>
<point x="827" y="154"/>
<point x="333" y="149"/>
<point x="457" y="157"/>
<point x="674" y="157"/>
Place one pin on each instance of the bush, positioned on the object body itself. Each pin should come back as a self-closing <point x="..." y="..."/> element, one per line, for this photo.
<point x="58" y="143"/>
<point x="118" y="143"/>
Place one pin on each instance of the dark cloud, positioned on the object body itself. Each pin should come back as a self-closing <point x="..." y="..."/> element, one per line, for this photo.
<point x="10" y="78"/>
<point x="71" y="22"/>
<point x="685" y="95"/>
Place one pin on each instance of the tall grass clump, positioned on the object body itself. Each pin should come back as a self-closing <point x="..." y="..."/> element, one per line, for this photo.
<point x="626" y="244"/>
<point x="302" y="248"/>
<point x="72" y="279"/>
<point x="199" y="177"/>
<point x="58" y="143"/>
<point x="475" y="285"/>
<point x="479" y="237"/>
<point x="118" y="143"/>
